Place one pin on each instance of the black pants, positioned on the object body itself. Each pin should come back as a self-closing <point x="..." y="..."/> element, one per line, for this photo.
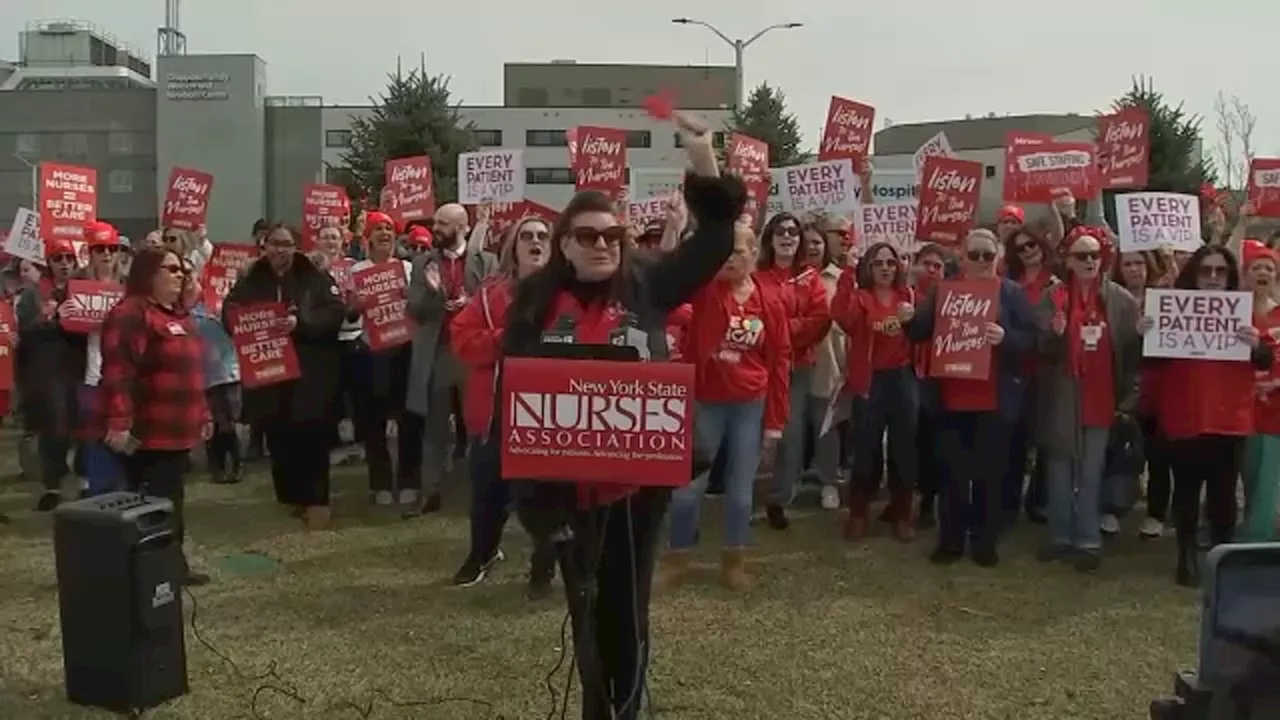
<point x="53" y="451"/>
<point x="612" y="636"/>
<point x="300" y="462"/>
<point x="353" y="372"/>
<point x="930" y="466"/>
<point x="975" y="448"/>
<point x="1159" y="474"/>
<point x="159" y="473"/>
<point x="893" y="406"/>
<point x="1211" y="462"/>
<point x="371" y="423"/>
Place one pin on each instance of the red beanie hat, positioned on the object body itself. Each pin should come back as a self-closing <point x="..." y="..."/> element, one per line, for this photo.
<point x="1011" y="212"/>
<point x="101" y="234"/>
<point x="1251" y="251"/>
<point x="1097" y="233"/>
<point x="419" y="235"/>
<point x="61" y="246"/>
<point x="376" y="218"/>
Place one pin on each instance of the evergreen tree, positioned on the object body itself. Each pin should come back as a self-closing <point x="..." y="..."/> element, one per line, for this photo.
<point x="764" y="117"/>
<point x="413" y="116"/>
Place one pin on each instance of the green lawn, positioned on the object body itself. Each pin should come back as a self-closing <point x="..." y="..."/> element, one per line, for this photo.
<point x="364" y="614"/>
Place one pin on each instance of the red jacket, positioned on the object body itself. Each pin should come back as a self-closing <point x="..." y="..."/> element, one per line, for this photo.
<point x="849" y="310"/>
<point x="1205" y="397"/>
<point x="475" y="336"/>
<point x="807" y="308"/>
<point x="678" y="332"/>
<point x="735" y="364"/>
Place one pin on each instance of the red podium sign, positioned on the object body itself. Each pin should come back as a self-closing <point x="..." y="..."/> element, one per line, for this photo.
<point x="597" y="421"/>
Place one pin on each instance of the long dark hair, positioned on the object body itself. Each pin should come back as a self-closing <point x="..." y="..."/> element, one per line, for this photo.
<point x="1191" y="268"/>
<point x="865" y="281"/>
<point x="767" y="258"/>
<point x="829" y="256"/>
<point x="142" y="273"/>
<point x="1014" y="267"/>
<point x="1155" y="268"/>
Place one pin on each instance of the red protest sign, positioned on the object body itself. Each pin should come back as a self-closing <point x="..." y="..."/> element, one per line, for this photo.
<point x="601" y="160"/>
<point x="263" y="344"/>
<point x="1035" y="171"/>
<point x="848" y="130"/>
<point x="962" y="310"/>
<point x="224" y="267"/>
<point x="1264" y="186"/>
<point x="571" y="142"/>
<point x="749" y="158"/>
<point x="340" y="271"/>
<point x="323" y="206"/>
<point x="1015" y="139"/>
<point x="8" y="336"/>
<point x="87" y="304"/>
<point x="380" y="295"/>
<point x="68" y="200"/>
<point x="1124" y="149"/>
<point x="597" y="421"/>
<point x="949" y="190"/>
<point x="186" y="202"/>
<point x="504" y="216"/>
<point x="408" y="191"/>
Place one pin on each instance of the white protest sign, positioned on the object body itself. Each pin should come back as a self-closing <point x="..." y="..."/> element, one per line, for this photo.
<point x="1149" y="220"/>
<point x="887" y="186"/>
<point x="642" y="212"/>
<point x="647" y="183"/>
<point x="1197" y="324"/>
<point x="489" y="176"/>
<point x="24" y="237"/>
<point x="936" y="146"/>
<point x="893" y="223"/>
<point x="830" y="186"/>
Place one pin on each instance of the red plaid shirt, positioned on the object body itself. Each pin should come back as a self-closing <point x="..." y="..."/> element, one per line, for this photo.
<point x="153" y="375"/>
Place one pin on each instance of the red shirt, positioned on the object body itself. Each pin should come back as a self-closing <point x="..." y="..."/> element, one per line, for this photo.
<point x="808" y="312"/>
<point x="889" y="345"/>
<point x="153" y="375"/>
<point x="1097" y="385"/>
<point x="1266" y="406"/>
<point x="678" y="331"/>
<point x="961" y="395"/>
<point x="742" y="349"/>
<point x="475" y="336"/>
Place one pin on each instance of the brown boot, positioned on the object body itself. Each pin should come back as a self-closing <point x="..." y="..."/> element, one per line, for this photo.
<point x="673" y="569"/>
<point x="855" y="528"/>
<point x="317" y="517"/>
<point x="902" y="507"/>
<point x="733" y="569"/>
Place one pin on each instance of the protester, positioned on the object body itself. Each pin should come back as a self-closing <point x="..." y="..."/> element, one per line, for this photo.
<point x="1261" y="467"/>
<point x="782" y="262"/>
<point x="256" y="449"/>
<point x="153" y="383"/>
<point x="379" y="381"/>
<point x="1088" y="381"/>
<point x="297" y="416"/>
<point x="102" y="470"/>
<point x="589" y="269"/>
<point x="55" y="361"/>
<point x="827" y="253"/>
<point x="222" y="390"/>
<point x="1201" y="411"/>
<point x="930" y="268"/>
<point x="435" y="374"/>
<point x="976" y="416"/>
<point x="476" y="338"/>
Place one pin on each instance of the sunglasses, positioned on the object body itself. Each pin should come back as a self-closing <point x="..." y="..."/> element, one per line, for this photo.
<point x="1213" y="271"/>
<point x="63" y="257"/>
<point x="534" y="235"/>
<point x="1086" y="256"/>
<point x="589" y="237"/>
<point x="282" y="244"/>
<point x="787" y="231"/>
<point x="842" y="234"/>
<point x="174" y="269"/>
<point x="985" y="256"/>
<point x="104" y="249"/>
<point x="1025" y="248"/>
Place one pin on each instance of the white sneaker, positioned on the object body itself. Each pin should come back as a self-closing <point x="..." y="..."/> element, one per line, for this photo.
<point x="1110" y="525"/>
<point x="383" y="497"/>
<point x="830" y="497"/>
<point x="1151" y="528"/>
<point x="408" y="496"/>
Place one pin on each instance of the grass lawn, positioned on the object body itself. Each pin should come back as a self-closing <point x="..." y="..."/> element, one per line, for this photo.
<point x="364" y="615"/>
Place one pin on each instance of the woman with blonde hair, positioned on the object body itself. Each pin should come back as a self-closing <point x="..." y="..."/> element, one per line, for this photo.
<point x="476" y="337"/>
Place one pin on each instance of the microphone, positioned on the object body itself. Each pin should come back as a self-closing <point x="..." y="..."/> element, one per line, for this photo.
<point x="629" y="334"/>
<point x="563" y="332"/>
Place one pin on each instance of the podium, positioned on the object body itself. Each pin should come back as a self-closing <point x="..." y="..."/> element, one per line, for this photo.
<point x="120" y="570"/>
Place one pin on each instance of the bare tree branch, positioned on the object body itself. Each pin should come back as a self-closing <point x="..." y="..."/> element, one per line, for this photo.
<point x="1224" y="150"/>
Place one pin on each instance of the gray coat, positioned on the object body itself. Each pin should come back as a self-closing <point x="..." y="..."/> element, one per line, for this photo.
<point x="432" y="364"/>
<point x="1058" y="401"/>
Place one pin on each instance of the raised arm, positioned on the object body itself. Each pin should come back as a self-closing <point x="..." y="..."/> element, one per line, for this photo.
<point x="715" y="203"/>
<point x="425" y="298"/>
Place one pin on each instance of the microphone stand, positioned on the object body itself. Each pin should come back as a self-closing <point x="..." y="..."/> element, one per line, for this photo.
<point x="581" y="577"/>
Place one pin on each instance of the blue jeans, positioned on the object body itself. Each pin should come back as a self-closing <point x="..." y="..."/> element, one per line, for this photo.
<point x="735" y="428"/>
<point x="1074" y="485"/>
<point x="490" y="498"/>
<point x="102" y="469"/>
<point x="805" y="409"/>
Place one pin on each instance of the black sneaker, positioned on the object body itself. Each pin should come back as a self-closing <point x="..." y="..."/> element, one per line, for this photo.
<point x="473" y="571"/>
<point x="429" y="504"/>
<point x="985" y="557"/>
<point x="49" y="500"/>
<point x="776" y="515"/>
<point x="945" y="556"/>
<point x="1087" y="561"/>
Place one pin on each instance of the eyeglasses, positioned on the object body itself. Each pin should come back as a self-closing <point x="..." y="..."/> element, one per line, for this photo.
<point x="589" y="237"/>
<point x="984" y="256"/>
<point x="1086" y="256"/>
<point x="787" y="230"/>
<point x="1213" y="271"/>
<point x="174" y="269"/>
<point x="534" y="235"/>
<point x="1026" y="248"/>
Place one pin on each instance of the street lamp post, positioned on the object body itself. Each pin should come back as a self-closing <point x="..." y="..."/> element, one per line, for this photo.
<point x="739" y="47"/>
<point x="35" y="180"/>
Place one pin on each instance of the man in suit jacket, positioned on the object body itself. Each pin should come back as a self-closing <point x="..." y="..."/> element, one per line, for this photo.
<point x="456" y="268"/>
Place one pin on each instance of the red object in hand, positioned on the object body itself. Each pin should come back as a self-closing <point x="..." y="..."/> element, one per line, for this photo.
<point x="661" y="106"/>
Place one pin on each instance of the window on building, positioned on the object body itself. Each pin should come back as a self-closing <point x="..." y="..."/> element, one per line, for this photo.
<point x="545" y="138"/>
<point x="27" y="144"/>
<point x="489" y="138"/>
<point x="74" y="145"/>
<point x="990" y="171"/>
<point x="337" y="138"/>
<point x="548" y="176"/>
<point x="597" y="97"/>
<point x="639" y="139"/>
<point x="717" y="140"/>
<point x="120" y="143"/>
<point x="120" y="181"/>
<point x="532" y="97"/>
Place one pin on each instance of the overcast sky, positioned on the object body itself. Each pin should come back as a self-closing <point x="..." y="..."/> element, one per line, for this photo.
<point x="914" y="60"/>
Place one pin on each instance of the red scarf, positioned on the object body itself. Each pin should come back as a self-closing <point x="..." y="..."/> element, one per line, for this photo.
<point x="1076" y="305"/>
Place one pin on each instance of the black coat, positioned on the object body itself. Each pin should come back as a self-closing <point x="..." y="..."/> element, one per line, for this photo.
<point x="320" y="309"/>
<point x="49" y="365"/>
